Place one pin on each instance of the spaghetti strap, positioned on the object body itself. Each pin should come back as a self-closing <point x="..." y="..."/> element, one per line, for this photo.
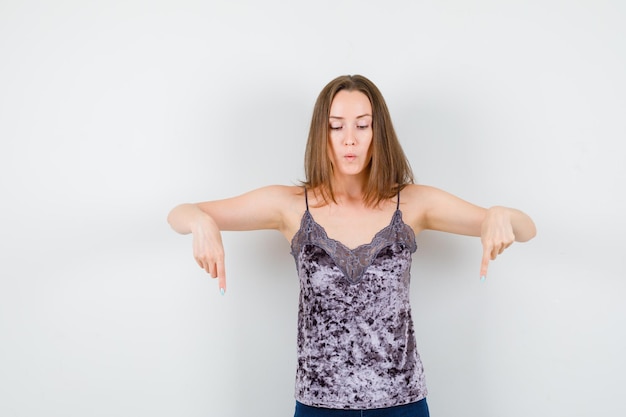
<point x="306" y="199"/>
<point x="397" y="205"/>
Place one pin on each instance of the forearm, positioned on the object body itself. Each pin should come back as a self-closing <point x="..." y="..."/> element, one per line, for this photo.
<point x="185" y="217"/>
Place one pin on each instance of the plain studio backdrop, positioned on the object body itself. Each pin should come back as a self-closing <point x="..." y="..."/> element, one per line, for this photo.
<point x="113" y="112"/>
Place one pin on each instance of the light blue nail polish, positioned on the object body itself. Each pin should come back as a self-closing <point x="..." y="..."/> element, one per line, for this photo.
<point x="483" y="277"/>
<point x="222" y="291"/>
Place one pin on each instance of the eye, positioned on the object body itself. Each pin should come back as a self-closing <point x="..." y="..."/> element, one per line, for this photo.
<point x="335" y="127"/>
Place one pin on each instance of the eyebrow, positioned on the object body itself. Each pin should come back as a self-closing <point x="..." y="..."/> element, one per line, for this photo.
<point x="358" y="117"/>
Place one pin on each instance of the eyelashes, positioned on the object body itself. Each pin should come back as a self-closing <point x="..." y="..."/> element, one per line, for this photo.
<point x="360" y="127"/>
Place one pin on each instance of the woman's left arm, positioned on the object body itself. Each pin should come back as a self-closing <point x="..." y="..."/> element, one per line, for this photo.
<point x="498" y="227"/>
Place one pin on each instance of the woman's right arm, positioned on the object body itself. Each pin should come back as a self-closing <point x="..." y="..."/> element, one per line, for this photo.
<point x="208" y="250"/>
<point x="258" y="209"/>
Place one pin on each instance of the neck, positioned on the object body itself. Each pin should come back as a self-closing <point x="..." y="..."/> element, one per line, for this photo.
<point x="349" y="189"/>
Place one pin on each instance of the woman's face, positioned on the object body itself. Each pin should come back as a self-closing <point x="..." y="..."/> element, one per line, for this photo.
<point x="350" y="132"/>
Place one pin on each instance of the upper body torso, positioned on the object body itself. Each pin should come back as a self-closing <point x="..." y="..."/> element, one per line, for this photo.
<point x="356" y="344"/>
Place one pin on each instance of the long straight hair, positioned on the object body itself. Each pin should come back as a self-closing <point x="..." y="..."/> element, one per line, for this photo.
<point x="388" y="171"/>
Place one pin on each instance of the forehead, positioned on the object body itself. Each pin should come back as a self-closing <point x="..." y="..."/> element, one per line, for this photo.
<point x="350" y="103"/>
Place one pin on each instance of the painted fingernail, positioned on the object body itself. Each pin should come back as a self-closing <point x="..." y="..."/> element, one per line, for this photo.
<point x="222" y="291"/>
<point x="483" y="277"/>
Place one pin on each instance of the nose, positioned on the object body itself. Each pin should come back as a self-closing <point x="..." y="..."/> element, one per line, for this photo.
<point x="350" y="138"/>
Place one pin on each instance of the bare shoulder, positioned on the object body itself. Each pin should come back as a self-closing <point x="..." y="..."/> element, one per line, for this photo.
<point x="414" y="203"/>
<point x="423" y="195"/>
<point x="282" y="199"/>
<point x="413" y="191"/>
<point x="289" y="197"/>
<point x="280" y="192"/>
<point x="428" y="207"/>
<point x="433" y="208"/>
<point x="418" y="196"/>
<point x="290" y="203"/>
<point x="267" y="207"/>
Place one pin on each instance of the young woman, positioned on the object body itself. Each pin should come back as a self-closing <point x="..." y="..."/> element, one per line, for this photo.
<point x="352" y="227"/>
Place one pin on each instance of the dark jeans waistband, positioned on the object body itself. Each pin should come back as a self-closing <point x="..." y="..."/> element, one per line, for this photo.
<point x="416" y="409"/>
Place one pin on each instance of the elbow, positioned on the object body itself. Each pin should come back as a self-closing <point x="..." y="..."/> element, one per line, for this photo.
<point x="174" y="219"/>
<point x="170" y="220"/>
<point x="171" y="217"/>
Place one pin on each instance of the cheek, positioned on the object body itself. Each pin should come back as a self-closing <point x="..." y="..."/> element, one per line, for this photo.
<point x="334" y="137"/>
<point x="370" y="146"/>
<point x="334" y="141"/>
<point x="365" y="134"/>
<point x="366" y="139"/>
<point x="330" y="149"/>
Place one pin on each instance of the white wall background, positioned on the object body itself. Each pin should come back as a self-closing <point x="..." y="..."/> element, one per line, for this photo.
<point x="112" y="112"/>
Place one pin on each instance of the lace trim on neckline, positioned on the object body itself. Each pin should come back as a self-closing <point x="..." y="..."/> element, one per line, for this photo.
<point x="353" y="262"/>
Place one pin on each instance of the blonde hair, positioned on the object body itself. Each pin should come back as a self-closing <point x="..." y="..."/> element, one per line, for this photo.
<point x="389" y="170"/>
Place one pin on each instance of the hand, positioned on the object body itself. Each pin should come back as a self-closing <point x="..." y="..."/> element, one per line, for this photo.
<point x="496" y="235"/>
<point x="208" y="250"/>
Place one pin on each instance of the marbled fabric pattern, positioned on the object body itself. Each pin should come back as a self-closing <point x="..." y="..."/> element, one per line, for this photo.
<point x="356" y="345"/>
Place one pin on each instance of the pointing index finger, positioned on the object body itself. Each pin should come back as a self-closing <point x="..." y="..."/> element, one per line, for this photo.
<point x="221" y="275"/>
<point x="485" y="263"/>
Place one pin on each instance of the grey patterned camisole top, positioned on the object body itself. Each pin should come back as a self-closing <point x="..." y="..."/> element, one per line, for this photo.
<point x="356" y="343"/>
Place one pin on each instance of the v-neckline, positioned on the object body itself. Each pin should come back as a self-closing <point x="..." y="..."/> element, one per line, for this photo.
<point x="363" y="245"/>
<point x="352" y="262"/>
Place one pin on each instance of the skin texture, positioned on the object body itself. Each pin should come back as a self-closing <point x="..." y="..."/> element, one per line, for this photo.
<point x="349" y="220"/>
<point x="350" y="123"/>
